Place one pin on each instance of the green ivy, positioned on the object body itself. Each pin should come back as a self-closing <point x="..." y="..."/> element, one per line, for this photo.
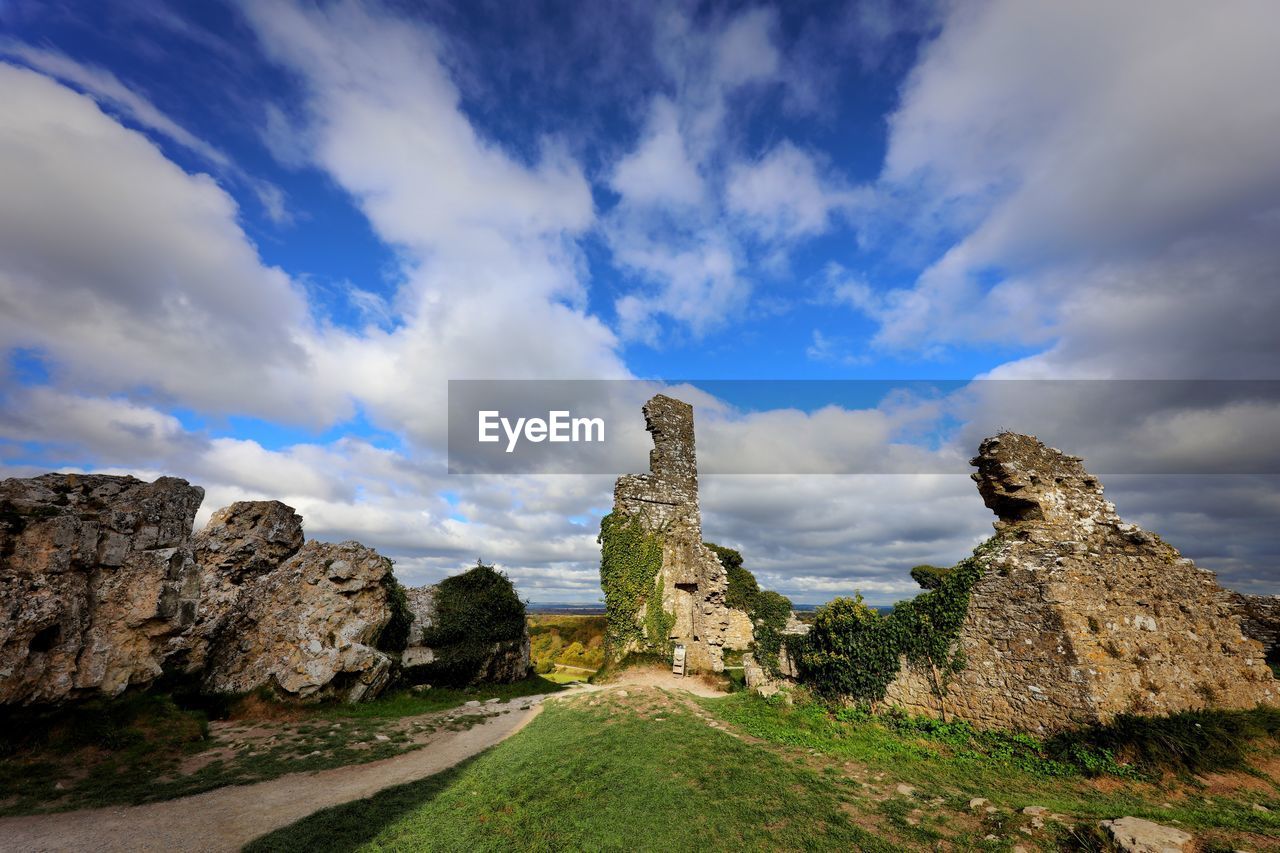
<point x="742" y="587"/>
<point x="475" y="611"/>
<point x="630" y="562"/>
<point x="395" y="634"/>
<point x="854" y="652"/>
<point x="770" y="615"/>
<point x="769" y="611"/>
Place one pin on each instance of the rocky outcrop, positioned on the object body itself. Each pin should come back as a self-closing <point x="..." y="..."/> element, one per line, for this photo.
<point x="1079" y="616"/>
<point x="241" y="543"/>
<point x="1260" y="620"/>
<point x="103" y="588"/>
<point x="665" y="502"/>
<point x="96" y="579"/>
<point x="308" y="628"/>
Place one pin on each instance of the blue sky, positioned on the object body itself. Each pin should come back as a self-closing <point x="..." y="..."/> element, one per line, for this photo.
<point x="249" y="243"/>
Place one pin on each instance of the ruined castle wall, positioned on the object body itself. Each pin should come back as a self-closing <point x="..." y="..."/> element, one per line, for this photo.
<point x="665" y="501"/>
<point x="1019" y="664"/>
<point x="1080" y="616"/>
<point x="1260" y="620"/>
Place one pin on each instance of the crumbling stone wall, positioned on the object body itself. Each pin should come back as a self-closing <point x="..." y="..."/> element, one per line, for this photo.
<point x="1260" y="620"/>
<point x="665" y="502"/>
<point x="1079" y="616"/>
<point x="96" y="577"/>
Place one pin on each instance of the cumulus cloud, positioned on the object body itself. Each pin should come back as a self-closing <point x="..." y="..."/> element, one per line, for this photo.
<point x="690" y="201"/>
<point x="1119" y="158"/>
<point x="784" y="194"/>
<point x="128" y="271"/>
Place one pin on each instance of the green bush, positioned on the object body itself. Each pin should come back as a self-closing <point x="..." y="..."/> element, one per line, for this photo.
<point x="395" y="634"/>
<point x="929" y="577"/>
<point x="474" y="611"/>
<point x="743" y="588"/>
<point x="854" y="652"/>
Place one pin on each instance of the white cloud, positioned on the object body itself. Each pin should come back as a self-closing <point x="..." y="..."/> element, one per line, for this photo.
<point x="109" y="91"/>
<point x="1121" y="160"/>
<point x="659" y="171"/>
<point x="128" y="272"/>
<point x="783" y="194"/>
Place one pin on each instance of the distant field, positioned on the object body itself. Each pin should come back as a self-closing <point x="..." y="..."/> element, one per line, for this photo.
<point x="561" y="641"/>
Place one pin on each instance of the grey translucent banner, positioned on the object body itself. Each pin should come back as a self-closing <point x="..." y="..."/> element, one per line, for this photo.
<point x="866" y="426"/>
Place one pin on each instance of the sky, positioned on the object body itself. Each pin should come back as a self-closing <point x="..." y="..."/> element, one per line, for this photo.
<point x="250" y="243"/>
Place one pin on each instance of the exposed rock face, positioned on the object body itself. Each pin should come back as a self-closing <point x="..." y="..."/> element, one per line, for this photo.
<point x="96" y="577"/>
<point x="666" y="502"/>
<point x="247" y="539"/>
<point x="308" y="628"/>
<point x="241" y="543"/>
<point x="739" y="633"/>
<point x="506" y="662"/>
<point x="1080" y="616"/>
<point x="1260" y="620"/>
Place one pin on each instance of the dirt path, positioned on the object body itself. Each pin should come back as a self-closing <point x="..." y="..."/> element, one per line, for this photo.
<point x="638" y="677"/>
<point x="228" y="818"/>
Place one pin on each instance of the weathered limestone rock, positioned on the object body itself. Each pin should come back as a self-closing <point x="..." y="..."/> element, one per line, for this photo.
<point x="1135" y="835"/>
<point x="1080" y="616"/>
<point x="665" y="501"/>
<point x="422" y="604"/>
<point x="308" y="628"/>
<point x="241" y="543"/>
<point x="248" y="538"/>
<point x="96" y="576"/>
<point x="1260" y="620"/>
<point x="507" y="661"/>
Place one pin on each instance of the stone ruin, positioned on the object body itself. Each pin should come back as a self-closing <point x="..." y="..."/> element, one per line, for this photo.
<point x="103" y="588"/>
<point x="1080" y="616"/>
<point x="1260" y="620"/>
<point x="665" y="502"/>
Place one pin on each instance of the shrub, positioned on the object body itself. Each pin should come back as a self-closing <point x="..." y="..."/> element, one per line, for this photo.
<point x="743" y="588"/>
<point x="474" y="611"/>
<point x="395" y="634"/>
<point x="929" y="577"/>
<point x="853" y="652"/>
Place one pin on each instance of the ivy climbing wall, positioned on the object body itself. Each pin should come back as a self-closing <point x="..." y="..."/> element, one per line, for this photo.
<point x="662" y="585"/>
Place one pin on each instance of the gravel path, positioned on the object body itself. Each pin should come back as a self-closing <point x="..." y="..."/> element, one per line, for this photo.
<point x="228" y="818"/>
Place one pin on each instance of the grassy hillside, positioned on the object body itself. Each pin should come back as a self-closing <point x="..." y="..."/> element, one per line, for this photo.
<point x="566" y="648"/>
<point x="638" y="768"/>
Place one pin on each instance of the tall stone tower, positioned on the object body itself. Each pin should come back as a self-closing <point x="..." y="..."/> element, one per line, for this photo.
<point x="665" y="503"/>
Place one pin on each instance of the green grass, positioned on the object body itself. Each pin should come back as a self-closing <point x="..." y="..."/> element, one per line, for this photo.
<point x="569" y="675"/>
<point x="601" y="778"/>
<point x="411" y="702"/>
<point x="133" y="750"/>
<point x="1013" y="771"/>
